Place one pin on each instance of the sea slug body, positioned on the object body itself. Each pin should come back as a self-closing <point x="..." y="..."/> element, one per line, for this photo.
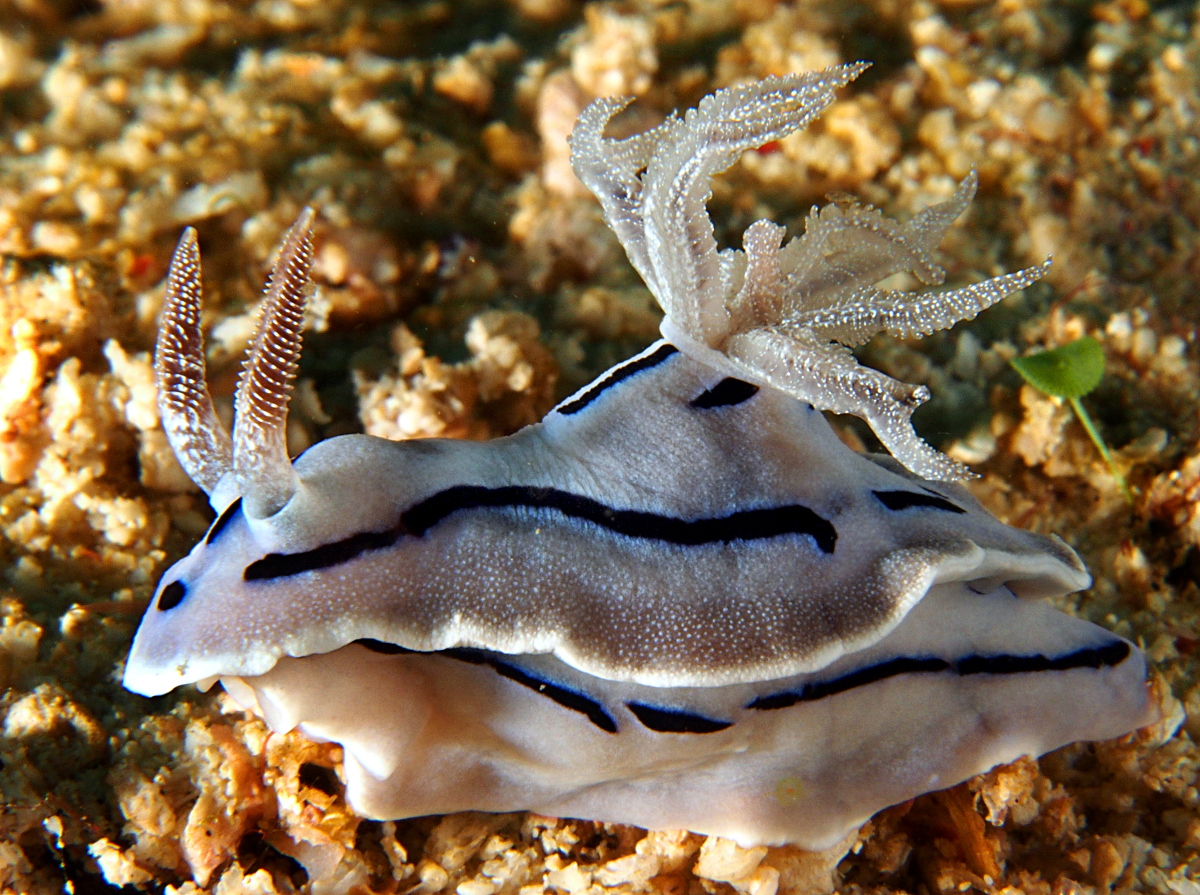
<point x="680" y="594"/>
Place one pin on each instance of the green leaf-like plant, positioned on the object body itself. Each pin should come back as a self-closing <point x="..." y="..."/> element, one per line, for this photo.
<point x="1071" y="371"/>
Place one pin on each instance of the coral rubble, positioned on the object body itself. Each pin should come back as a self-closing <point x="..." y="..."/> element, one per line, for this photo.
<point x="432" y="137"/>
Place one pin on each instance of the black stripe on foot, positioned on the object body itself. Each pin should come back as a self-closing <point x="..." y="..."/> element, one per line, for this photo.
<point x="674" y="720"/>
<point x="1108" y="656"/>
<point x="565" y="697"/>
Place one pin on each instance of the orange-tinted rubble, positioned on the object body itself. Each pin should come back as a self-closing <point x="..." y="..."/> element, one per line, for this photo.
<point x="465" y="282"/>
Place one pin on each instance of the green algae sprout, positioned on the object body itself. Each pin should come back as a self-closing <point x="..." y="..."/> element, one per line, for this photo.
<point x="1071" y="371"/>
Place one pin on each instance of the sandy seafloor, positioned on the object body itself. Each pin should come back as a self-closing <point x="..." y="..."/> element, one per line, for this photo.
<point x="465" y="283"/>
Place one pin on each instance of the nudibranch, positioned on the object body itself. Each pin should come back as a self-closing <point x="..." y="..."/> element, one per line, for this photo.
<point x="679" y="601"/>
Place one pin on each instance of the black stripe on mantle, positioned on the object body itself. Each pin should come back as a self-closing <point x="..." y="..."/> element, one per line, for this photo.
<point x="903" y="500"/>
<point x="742" y="525"/>
<point x="617" y="374"/>
<point x="728" y="392"/>
<point x="223" y="520"/>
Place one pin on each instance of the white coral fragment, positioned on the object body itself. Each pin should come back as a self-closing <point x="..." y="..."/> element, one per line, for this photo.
<point x="783" y="315"/>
